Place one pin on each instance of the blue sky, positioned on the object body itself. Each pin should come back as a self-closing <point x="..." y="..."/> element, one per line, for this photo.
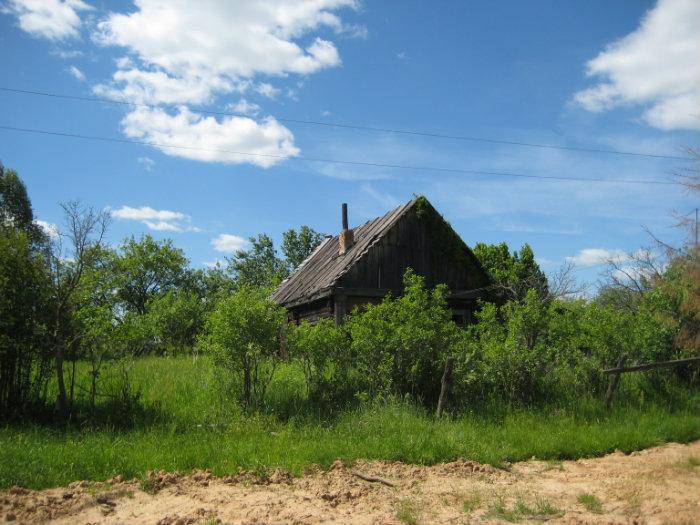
<point x="596" y="74"/>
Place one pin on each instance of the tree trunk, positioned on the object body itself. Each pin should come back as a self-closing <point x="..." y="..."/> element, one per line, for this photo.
<point x="61" y="399"/>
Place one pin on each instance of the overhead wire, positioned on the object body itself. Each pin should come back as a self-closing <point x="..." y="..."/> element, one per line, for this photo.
<point x="332" y="161"/>
<point x="357" y="127"/>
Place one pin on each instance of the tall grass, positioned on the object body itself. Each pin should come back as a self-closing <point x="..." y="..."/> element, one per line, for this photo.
<point x="188" y="422"/>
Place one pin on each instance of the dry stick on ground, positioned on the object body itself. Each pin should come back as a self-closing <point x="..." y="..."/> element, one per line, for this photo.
<point x="367" y="477"/>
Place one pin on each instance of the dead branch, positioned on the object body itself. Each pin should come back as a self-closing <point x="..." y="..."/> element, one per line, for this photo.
<point x="371" y="478"/>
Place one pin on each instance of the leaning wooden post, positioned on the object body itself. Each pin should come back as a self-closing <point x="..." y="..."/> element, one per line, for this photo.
<point x="614" y="382"/>
<point x="444" y="389"/>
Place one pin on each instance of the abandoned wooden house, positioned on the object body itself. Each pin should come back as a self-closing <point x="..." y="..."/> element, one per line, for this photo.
<point x="363" y="264"/>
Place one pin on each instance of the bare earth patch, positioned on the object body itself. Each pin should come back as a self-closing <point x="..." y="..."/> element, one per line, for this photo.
<point x="658" y="485"/>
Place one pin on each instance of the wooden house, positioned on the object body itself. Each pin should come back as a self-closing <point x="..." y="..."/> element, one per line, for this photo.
<point x="363" y="264"/>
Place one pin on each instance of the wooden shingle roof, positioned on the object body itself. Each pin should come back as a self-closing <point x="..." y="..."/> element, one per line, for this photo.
<point x="316" y="276"/>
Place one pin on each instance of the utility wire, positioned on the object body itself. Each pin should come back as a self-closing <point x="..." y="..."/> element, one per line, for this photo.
<point x="354" y="127"/>
<point x="331" y="161"/>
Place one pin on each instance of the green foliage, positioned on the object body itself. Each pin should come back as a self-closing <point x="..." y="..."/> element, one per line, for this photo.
<point x="177" y="319"/>
<point x="15" y="206"/>
<point x="146" y="268"/>
<point x="399" y="346"/>
<point x="512" y="274"/>
<point x="243" y="335"/>
<point x="24" y="302"/>
<point x="259" y="265"/>
<point x="297" y="246"/>
<point x="323" y="349"/>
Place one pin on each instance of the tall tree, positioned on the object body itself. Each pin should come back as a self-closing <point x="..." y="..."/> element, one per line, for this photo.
<point x="513" y="274"/>
<point x="15" y="206"/>
<point x="297" y="246"/>
<point x="258" y="266"/>
<point x="69" y="264"/>
<point x="147" y="268"/>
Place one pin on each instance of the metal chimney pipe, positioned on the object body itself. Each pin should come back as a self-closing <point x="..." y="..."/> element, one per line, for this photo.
<point x="345" y="216"/>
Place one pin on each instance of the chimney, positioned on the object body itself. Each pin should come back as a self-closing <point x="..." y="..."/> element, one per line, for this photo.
<point x="346" y="238"/>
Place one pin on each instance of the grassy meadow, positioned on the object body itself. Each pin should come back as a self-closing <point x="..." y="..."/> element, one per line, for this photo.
<point x="186" y="419"/>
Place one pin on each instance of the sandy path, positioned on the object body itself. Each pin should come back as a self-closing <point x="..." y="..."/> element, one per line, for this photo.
<point x="658" y="485"/>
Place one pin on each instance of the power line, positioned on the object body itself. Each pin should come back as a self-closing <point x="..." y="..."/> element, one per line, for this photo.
<point x="331" y="161"/>
<point x="355" y="127"/>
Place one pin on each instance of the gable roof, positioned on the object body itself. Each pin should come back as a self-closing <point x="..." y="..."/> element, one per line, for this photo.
<point x="316" y="276"/>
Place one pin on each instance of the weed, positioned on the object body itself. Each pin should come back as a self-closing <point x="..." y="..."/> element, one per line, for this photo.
<point x="521" y="509"/>
<point x="591" y="502"/>
<point x="406" y="512"/>
<point x="471" y="502"/>
<point x="147" y="484"/>
<point x="693" y="462"/>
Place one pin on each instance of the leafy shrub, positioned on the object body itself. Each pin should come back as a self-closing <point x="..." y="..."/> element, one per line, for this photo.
<point x="243" y="335"/>
<point x="399" y="346"/>
<point x="323" y="349"/>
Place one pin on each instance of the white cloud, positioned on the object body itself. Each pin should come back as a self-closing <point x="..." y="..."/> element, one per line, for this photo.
<point x="221" y="42"/>
<point x="267" y="90"/>
<point x="228" y="243"/>
<point x="244" y="107"/>
<point x="157" y="87"/>
<point x="146" y="213"/>
<point x="146" y="162"/>
<point x="183" y="52"/>
<point x="656" y="66"/>
<point x="157" y="220"/>
<point x="50" y="229"/>
<point x="50" y="19"/>
<point x="208" y="139"/>
<point x="76" y="73"/>
<point x="594" y="256"/>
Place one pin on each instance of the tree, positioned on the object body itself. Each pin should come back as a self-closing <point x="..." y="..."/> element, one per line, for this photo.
<point x="177" y="318"/>
<point x="85" y="229"/>
<point x="258" y="266"/>
<point x="297" y="246"/>
<point x="24" y="294"/>
<point x="513" y="274"/>
<point x="243" y="334"/>
<point x="145" y="269"/>
<point x="15" y="206"/>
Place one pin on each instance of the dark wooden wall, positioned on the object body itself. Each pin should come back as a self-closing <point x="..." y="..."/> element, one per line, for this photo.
<point x="421" y="240"/>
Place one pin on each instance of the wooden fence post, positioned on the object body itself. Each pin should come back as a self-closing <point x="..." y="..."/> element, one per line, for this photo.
<point x="444" y="389"/>
<point x="614" y="382"/>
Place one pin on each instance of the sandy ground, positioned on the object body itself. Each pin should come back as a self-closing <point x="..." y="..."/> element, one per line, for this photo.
<point x="658" y="485"/>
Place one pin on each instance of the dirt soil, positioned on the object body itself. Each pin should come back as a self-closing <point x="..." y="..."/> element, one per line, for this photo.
<point x="658" y="485"/>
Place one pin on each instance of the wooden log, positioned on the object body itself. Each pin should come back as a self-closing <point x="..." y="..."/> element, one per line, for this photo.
<point x="649" y="366"/>
<point x="614" y="382"/>
<point x="444" y="389"/>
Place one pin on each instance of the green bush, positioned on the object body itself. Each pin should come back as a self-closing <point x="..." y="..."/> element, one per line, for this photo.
<point x="399" y="346"/>
<point x="243" y="335"/>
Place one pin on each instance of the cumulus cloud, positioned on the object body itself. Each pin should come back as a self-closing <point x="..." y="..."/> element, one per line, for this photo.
<point x="594" y="256"/>
<point x="228" y="243"/>
<point x="263" y="143"/>
<point x="76" y="73"/>
<point x="156" y="220"/>
<point x="50" y="229"/>
<point x="244" y="107"/>
<point x="50" y="19"/>
<point x="656" y="67"/>
<point x="180" y="52"/>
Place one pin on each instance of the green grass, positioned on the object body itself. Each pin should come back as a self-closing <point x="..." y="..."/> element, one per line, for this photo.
<point x="520" y="510"/>
<point x="186" y="422"/>
<point x="406" y="512"/>
<point x="591" y="502"/>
